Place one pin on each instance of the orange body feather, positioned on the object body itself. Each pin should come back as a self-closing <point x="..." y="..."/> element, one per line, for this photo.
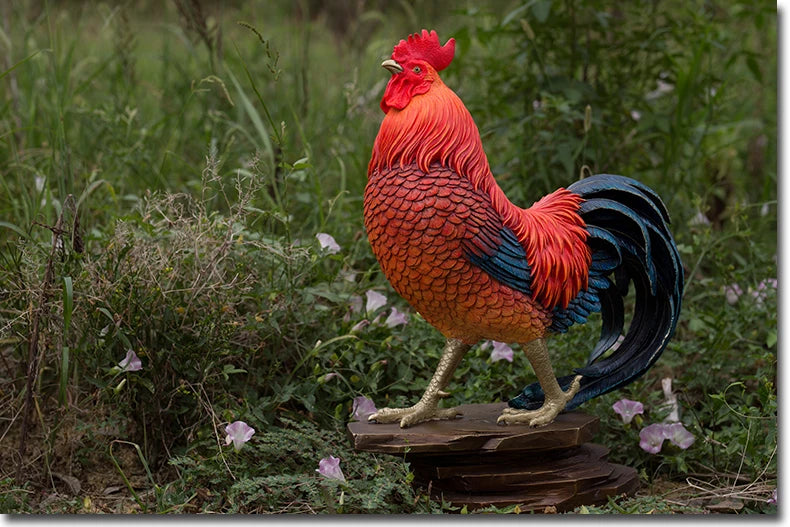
<point x="436" y="127"/>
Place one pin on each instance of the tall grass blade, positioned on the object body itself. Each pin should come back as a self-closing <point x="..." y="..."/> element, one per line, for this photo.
<point x="14" y="228"/>
<point x="249" y="109"/>
<point x="68" y="307"/>
<point x="125" y="479"/>
<point x="64" y="374"/>
<point x="68" y="303"/>
<point x="15" y="66"/>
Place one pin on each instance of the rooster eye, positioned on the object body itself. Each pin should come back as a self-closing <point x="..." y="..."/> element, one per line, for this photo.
<point x="416" y="69"/>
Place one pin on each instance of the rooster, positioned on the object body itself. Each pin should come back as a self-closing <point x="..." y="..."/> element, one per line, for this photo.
<point x="476" y="266"/>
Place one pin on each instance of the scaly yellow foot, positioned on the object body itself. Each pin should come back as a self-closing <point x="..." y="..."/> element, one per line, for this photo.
<point x="543" y="415"/>
<point x="428" y="406"/>
<point x="419" y="413"/>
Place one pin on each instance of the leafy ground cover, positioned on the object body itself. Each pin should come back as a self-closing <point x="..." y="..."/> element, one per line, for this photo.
<point x="166" y="169"/>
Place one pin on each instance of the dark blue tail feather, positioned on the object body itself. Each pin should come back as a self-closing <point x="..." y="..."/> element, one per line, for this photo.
<point x="629" y="236"/>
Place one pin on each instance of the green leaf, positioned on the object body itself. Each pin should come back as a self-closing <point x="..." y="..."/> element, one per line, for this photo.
<point x="15" y="66"/>
<point x="754" y="68"/>
<point x="302" y="163"/>
<point x="255" y="117"/>
<point x="88" y="191"/>
<point x="146" y="382"/>
<point x="516" y="12"/>
<point x="64" y="374"/>
<point x="696" y="324"/>
<point x="68" y="303"/>
<point x="14" y="228"/>
<point x="541" y="10"/>
<point x="230" y="369"/>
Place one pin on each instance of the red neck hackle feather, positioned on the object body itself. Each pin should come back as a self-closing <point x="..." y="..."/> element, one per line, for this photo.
<point x="436" y="127"/>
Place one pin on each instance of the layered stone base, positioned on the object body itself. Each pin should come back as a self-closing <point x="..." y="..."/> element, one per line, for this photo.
<point x="473" y="461"/>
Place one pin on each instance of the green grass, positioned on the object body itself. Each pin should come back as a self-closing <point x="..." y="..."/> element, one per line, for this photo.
<point x="165" y="167"/>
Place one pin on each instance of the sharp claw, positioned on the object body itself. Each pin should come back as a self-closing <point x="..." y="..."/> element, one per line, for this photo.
<point x="411" y="416"/>
<point x="543" y="415"/>
<point x="575" y="385"/>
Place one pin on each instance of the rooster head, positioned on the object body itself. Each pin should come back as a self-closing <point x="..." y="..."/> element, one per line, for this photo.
<point x="414" y="66"/>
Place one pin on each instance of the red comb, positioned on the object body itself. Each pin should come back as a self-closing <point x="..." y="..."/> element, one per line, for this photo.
<point x="425" y="47"/>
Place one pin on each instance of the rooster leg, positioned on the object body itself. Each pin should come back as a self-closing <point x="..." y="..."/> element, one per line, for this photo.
<point x="555" y="400"/>
<point x="428" y="406"/>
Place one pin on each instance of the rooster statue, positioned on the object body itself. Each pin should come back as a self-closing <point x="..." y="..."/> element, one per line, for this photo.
<point x="476" y="266"/>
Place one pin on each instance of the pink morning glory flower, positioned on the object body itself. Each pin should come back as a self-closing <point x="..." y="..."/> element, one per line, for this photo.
<point x="763" y="287"/>
<point x="662" y="87"/>
<point x="396" y="318"/>
<point x="501" y="351"/>
<point x="362" y="324"/>
<point x="131" y="362"/>
<point x="375" y="300"/>
<point x="239" y="433"/>
<point x="627" y="409"/>
<point x="329" y="467"/>
<point x="651" y="438"/>
<point x="732" y="293"/>
<point x="700" y="220"/>
<point x="362" y="408"/>
<point x="678" y="435"/>
<point x="328" y="243"/>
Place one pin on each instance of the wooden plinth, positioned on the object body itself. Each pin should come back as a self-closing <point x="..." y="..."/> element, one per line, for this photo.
<point x="473" y="461"/>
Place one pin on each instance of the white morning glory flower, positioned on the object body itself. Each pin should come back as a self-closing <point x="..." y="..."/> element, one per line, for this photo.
<point x="363" y="407"/>
<point x="396" y="318"/>
<point x="732" y="293"/>
<point x="651" y="438"/>
<point x="239" y="433"/>
<point x="627" y="409"/>
<point x="501" y="351"/>
<point x="678" y="435"/>
<point x="329" y="467"/>
<point x="131" y="362"/>
<point x="328" y="242"/>
<point x="375" y="301"/>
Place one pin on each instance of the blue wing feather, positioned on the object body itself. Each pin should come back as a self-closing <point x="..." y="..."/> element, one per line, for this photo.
<point x="507" y="262"/>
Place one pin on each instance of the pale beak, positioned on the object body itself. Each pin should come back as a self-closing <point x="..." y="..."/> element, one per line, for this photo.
<point x="392" y="66"/>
